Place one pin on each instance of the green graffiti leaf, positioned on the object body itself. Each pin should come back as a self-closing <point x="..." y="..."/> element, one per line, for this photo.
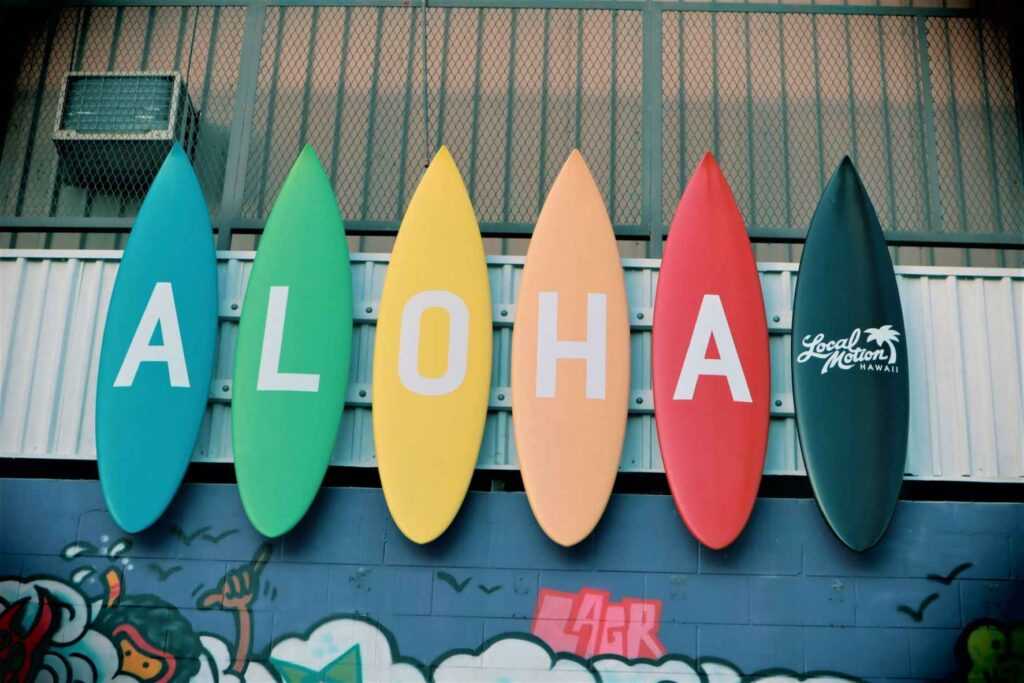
<point x="348" y="668"/>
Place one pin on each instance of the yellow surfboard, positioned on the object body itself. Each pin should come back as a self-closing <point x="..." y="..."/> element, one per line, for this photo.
<point x="432" y="360"/>
<point x="570" y="359"/>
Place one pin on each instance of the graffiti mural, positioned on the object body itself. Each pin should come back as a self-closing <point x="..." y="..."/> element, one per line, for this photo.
<point x="56" y="630"/>
<point x="992" y="652"/>
<point x="204" y="599"/>
<point x="588" y="623"/>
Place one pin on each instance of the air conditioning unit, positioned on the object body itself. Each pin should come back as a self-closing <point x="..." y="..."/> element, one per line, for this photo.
<point x="114" y="129"/>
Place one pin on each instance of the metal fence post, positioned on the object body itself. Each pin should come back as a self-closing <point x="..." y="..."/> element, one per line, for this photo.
<point x="930" y="151"/>
<point x="241" y="124"/>
<point x="1017" y="69"/>
<point x="651" y="151"/>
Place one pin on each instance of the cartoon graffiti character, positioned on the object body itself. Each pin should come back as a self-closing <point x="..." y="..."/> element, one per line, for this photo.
<point x="153" y="640"/>
<point x="236" y="592"/>
<point x="156" y="643"/>
<point x="21" y="650"/>
<point x="995" y="654"/>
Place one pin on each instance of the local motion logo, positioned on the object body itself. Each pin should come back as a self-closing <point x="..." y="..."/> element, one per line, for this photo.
<point x="847" y="353"/>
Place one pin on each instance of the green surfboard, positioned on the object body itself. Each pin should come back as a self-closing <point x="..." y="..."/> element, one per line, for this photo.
<point x="292" y="354"/>
<point x="849" y="360"/>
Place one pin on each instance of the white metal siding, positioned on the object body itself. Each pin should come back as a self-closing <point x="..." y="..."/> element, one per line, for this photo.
<point x="965" y="338"/>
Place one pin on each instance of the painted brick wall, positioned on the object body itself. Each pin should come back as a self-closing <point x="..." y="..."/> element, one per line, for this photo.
<point x="356" y="598"/>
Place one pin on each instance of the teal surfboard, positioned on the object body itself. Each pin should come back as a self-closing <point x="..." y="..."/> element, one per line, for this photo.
<point x="292" y="354"/>
<point x="157" y="355"/>
<point x="849" y="360"/>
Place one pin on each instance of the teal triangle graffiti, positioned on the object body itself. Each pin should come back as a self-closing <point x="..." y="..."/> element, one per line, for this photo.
<point x="348" y="668"/>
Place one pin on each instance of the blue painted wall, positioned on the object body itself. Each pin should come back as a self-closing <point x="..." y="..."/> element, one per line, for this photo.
<point x="787" y="595"/>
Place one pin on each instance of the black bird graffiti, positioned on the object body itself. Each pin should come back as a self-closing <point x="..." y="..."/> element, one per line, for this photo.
<point x="215" y="539"/>
<point x="161" y="573"/>
<point x="918" y="614"/>
<point x="451" y="581"/>
<point x="187" y="538"/>
<point x="487" y="590"/>
<point x="951" y="577"/>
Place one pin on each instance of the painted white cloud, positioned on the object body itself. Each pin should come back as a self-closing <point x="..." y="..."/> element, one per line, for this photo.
<point x="333" y="639"/>
<point x="215" y="665"/>
<point x="511" y="659"/>
<point x="616" y="670"/>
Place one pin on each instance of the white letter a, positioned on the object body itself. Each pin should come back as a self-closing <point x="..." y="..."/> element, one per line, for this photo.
<point x="711" y="322"/>
<point x="160" y="311"/>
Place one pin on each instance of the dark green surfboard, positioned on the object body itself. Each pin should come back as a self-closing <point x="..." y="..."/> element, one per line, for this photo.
<point x="849" y="364"/>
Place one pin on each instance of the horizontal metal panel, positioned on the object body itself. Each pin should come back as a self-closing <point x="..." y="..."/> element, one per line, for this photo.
<point x="965" y="332"/>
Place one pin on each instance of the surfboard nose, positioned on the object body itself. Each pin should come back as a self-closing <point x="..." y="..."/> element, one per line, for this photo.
<point x="574" y="186"/>
<point x="575" y="164"/>
<point x="710" y="173"/>
<point x="443" y="156"/>
<point x="175" y="167"/>
<point x="846" y="200"/>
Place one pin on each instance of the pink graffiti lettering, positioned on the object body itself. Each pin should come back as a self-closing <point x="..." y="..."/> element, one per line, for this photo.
<point x="588" y="624"/>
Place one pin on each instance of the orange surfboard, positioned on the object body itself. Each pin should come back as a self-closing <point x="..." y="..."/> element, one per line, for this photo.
<point x="570" y="359"/>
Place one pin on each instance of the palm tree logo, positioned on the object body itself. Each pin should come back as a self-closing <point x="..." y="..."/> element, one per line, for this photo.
<point x="884" y="335"/>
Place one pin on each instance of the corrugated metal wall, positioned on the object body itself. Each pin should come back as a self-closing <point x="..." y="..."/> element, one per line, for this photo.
<point x="965" y="334"/>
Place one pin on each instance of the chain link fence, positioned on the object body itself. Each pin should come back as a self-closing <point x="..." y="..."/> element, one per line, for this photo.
<point x="85" y="177"/>
<point x="923" y="101"/>
<point x="509" y="91"/>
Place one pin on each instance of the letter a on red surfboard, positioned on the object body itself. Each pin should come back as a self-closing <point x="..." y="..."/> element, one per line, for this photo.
<point x="710" y="362"/>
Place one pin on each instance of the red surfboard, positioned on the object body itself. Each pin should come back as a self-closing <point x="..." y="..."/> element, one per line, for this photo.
<point x="710" y="361"/>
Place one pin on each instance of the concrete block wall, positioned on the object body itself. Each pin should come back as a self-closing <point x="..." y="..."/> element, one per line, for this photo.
<point x="786" y="598"/>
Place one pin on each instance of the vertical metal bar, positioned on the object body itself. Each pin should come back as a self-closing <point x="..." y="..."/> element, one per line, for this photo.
<point x="613" y="124"/>
<point x="211" y="58"/>
<point x="715" y="141"/>
<point x="307" y="82"/>
<point x="506" y="190"/>
<point x="887" y="126"/>
<point x="37" y="105"/>
<point x="651" y="134"/>
<point x="426" y="86"/>
<point x="442" y="87"/>
<point x="987" y="108"/>
<point x="681" y="100"/>
<point x="179" y="46"/>
<point x="275" y="71"/>
<point x="147" y="39"/>
<point x="115" y="39"/>
<point x="241" y="124"/>
<point x="817" y="101"/>
<point x="80" y="24"/>
<point x="578" y="127"/>
<point x="406" y="110"/>
<point x="926" y="113"/>
<point x="786" y="181"/>
<point x="955" y="123"/>
<point x="339" y="98"/>
<point x="1017" y="70"/>
<point x="751" y="180"/>
<point x="474" y="124"/>
<point x="851" y="99"/>
<point x="372" y="115"/>
<point x="545" y="73"/>
<point x="82" y="34"/>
